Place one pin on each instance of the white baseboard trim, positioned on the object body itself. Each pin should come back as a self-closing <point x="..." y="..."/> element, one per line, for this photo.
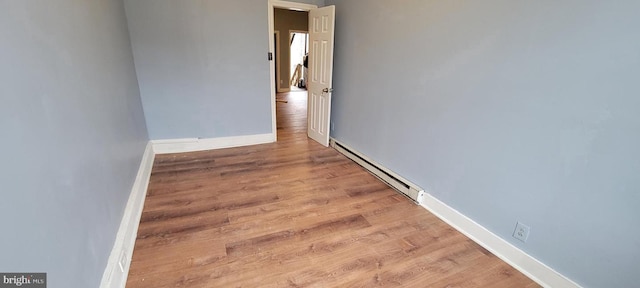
<point x="197" y="144"/>
<point x="504" y="250"/>
<point x="117" y="270"/>
<point x="116" y="276"/>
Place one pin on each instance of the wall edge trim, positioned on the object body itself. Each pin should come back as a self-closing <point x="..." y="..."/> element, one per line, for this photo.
<point x="518" y="259"/>
<point x="114" y="275"/>
<point x="165" y="146"/>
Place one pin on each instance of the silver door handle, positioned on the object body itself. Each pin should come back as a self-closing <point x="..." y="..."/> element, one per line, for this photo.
<point x="327" y="90"/>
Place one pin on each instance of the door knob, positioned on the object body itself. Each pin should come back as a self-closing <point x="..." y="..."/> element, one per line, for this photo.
<point x="327" y="90"/>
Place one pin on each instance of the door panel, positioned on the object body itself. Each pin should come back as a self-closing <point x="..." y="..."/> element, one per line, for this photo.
<point x="321" y="37"/>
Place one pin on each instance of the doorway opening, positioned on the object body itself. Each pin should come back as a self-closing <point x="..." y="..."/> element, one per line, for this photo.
<point x="320" y="24"/>
<point x="298" y="52"/>
<point x="289" y="23"/>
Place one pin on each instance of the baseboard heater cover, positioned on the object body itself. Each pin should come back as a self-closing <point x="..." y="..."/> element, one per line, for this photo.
<point x="395" y="181"/>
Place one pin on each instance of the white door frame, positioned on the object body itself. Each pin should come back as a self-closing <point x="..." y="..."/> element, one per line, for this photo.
<point x="278" y="63"/>
<point x="272" y="66"/>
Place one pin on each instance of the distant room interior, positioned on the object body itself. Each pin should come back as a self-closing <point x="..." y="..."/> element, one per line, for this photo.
<point x="299" y="50"/>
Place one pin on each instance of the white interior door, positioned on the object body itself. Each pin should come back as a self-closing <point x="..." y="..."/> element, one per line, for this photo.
<point x="321" y="30"/>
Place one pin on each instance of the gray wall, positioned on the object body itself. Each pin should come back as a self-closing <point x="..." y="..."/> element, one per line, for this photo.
<point x="202" y="66"/>
<point x="507" y="111"/>
<point x="283" y="21"/>
<point x="73" y="135"/>
<point x="318" y="3"/>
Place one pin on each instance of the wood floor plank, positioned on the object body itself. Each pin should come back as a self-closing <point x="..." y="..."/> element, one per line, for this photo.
<point x="295" y="214"/>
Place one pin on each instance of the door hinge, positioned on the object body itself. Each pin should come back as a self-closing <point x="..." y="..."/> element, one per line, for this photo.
<point x="270" y="56"/>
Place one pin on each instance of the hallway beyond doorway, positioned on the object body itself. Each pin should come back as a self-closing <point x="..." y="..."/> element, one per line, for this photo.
<point x="292" y="115"/>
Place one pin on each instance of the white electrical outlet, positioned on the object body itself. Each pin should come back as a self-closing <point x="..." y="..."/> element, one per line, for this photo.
<point x="123" y="261"/>
<point x="522" y="232"/>
<point x="420" y="198"/>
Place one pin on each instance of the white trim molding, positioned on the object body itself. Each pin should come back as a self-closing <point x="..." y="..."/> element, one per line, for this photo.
<point x="523" y="262"/>
<point x="518" y="259"/>
<point x="198" y="144"/>
<point x="276" y="44"/>
<point x="117" y="270"/>
<point x="292" y="5"/>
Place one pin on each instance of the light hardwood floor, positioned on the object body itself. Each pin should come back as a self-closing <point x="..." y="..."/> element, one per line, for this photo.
<point x="295" y="214"/>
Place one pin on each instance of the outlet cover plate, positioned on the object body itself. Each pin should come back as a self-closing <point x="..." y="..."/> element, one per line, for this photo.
<point x="522" y="232"/>
<point x="122" y="262"/>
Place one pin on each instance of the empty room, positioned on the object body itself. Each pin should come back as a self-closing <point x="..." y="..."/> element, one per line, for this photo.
<point x="160" y="143"/>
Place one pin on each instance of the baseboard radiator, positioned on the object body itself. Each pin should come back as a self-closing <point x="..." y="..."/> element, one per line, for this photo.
<point x="395" y="181"/>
